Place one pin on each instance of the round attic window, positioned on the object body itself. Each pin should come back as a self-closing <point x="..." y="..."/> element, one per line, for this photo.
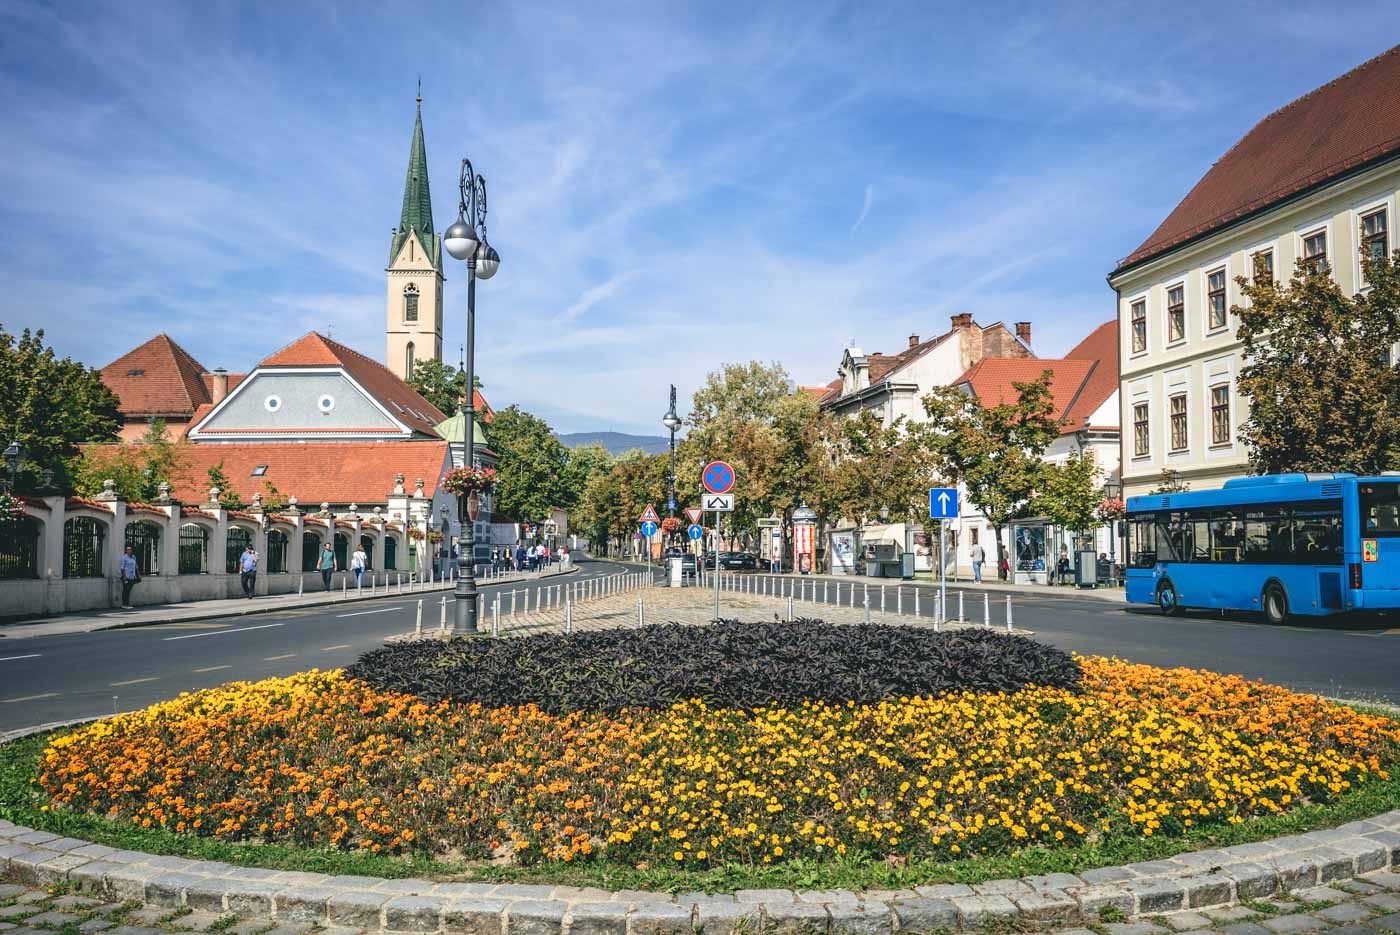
<point x="326" y="402"/>
<point x="272" y="403"/>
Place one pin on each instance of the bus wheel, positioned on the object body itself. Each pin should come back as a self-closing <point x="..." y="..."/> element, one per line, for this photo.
<point x="1275" y="603"/>
<point x="1167" y="601"/>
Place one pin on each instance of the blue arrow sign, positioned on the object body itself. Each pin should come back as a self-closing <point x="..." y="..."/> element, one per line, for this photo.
<point x="943" y="503"/>
<point x="696" y="532"/>
<point x="648" y="529"/>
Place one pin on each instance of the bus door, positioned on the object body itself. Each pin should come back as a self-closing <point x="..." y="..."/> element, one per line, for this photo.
<point x="1378" y="503"/>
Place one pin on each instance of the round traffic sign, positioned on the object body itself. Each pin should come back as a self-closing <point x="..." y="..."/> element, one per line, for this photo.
<point x="718" y="477"/>
<point x="696" y="532"/>
<point x="648" y="529"/>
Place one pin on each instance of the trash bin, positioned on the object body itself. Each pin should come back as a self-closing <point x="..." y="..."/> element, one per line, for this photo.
<point x="1086" y="566"/>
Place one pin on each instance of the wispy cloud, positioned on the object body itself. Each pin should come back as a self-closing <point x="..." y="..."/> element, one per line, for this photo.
<point x="864" y="207"/>
<point x="599" y="293"/>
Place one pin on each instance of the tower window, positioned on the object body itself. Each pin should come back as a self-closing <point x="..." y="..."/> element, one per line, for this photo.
<point x="410" y="303"/>
<point x="408" y="361"/>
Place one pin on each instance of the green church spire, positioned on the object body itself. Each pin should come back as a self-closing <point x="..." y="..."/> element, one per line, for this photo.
<point x="417" y="199"/>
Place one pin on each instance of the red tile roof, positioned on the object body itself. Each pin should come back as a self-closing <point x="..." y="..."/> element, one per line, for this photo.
<point x="313" y="472"/>
<point x="157" y="378"/>
<point x="1348" y="122"/>
<point x="1101" y="346"/>
<point x="402" y="401"/>
<point x="991" y="379"/>
<point x="1079" y="384"/>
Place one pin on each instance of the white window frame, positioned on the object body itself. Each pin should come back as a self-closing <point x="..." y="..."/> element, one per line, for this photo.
<point x="1270" y="246"/>
<point x="1145" y="401"/>
<point x="1185" y="393"/>
<point x="1167" y="314"/>
<point x="1213" y="383"/>
<point x="1223" y="263"/>
<point x="1146" y="321"/>
<point x="1302" y="233"/>
<point x="273" y="403"/>
<point x="326" y="403"/>
<point x="1359" y="211"/>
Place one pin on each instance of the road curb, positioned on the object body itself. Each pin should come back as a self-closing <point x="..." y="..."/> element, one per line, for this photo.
<point x="255" y="608"/>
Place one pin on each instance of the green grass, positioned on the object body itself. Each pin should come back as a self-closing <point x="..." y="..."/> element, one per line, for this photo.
<point x="21" y="801"/>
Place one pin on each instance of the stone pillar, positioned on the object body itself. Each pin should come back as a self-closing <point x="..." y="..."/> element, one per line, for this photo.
<point x="116" y="540"/>
<point x="218" y="548"/>
<point x="51" y="561"/>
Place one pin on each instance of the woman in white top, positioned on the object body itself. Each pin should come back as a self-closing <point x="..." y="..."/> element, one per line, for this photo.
<point x="358" y="561"/>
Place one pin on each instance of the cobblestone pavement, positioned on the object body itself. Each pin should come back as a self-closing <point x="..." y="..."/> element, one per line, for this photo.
<point x="1365" y="905"/>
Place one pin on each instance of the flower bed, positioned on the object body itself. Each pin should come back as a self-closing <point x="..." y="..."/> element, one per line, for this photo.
<point x="323" y="759"/>
<point x="729" y="665"/>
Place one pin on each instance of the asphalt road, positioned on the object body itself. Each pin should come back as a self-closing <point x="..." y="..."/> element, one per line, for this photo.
<point x="57" y="678"/>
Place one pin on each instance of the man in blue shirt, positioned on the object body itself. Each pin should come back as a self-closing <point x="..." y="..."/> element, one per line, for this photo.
<point x="248" y="566"/>
<point x="129" y="575"/>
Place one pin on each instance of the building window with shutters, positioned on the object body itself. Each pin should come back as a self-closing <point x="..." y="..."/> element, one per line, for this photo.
<point x="1315" y="251"/>
<point x="1220" y="415"/>
<point x="1215" y="298"/>
<point x="1139" y="321"/>
<point x="410" y="302"/>
<point x="1176" y="313"/>
<point x="1375" y="241"/>
<point x="1177" y="407"/>
<point x="1141" y="434"/>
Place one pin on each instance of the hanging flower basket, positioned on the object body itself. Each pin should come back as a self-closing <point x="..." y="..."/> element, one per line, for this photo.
<point x="11" y="508"/>
<point x="434" y="535"/>
<point x="1110" y="509"/>
<point x="415" y="534"/>
<point x="464" y="480"/>
<point x="670" y="524"/>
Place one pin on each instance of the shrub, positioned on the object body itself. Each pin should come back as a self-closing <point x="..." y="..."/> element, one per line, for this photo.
<point x="729" y="665"/>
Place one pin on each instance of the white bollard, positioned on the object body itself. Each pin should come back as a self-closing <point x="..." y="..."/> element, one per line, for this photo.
<point x="641" y="613"/>
<point x="961" y="618"/>
<point x="937" y="611"/>
<point x="1008" y="613"/>
<point x="824" y="584"/>
<point x="789" y="609"/>
<point x="986" y="610"/>
<point x="568" y="617"/>
<point x="496" y="616"/>
<point x="418" y="625"/>
<point x="344" y="588"/>
<point x="882" y="598"/>
<point x="300" y="583"/>
<point x="899" y="600"/>
<point x="865" y="602"/>
<point x="916" y="602"/>
<point x="442" y="619"/>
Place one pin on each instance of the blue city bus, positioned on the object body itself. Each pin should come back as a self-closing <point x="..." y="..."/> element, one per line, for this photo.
<point x="1283" y="544"/>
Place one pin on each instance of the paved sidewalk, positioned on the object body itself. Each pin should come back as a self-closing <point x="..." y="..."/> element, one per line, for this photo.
<point x="93" y="620"/>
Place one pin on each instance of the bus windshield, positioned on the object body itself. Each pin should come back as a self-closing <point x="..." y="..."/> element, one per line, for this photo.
<point x="1380" y="509"/>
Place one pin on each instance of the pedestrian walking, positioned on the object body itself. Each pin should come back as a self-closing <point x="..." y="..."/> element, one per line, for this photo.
<point x="978" y="556"/>
<point x="1004" y="568"/>
<point x="546" y="556"/>
<point x="520" y="558"/>
<point x="248" y="568"/>
<point x="327" y="565"/>
<point x="130" y="575"/>
<point x="358" y="563"/>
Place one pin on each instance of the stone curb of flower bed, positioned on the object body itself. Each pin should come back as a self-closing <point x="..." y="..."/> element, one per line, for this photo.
<point x="1200" y="880"/>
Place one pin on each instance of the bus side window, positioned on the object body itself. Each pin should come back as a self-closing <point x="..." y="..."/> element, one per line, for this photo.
<point x="1200" y="535"/>
<point x="1226" y="536"/>
<point x="1317" y="534"/>
<point x="1168" y="538"/>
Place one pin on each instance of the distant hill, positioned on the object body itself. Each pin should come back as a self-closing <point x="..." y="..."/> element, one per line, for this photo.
<point x="618" y="442"/>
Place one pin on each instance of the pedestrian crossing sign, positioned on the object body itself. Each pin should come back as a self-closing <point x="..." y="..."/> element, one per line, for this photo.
<point x="649" y="515"/>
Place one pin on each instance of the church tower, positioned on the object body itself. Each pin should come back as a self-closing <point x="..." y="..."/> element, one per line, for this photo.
<point x="414" y="322"/>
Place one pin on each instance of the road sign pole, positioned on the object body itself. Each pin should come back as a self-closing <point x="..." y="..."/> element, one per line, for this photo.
<point x="942" y="564"/>
<point x="717" y="516"/>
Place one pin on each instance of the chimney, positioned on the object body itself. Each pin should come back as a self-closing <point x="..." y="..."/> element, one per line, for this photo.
<point x="1023" y="331"/>
<point x="913" y="340"/>
<point x="219" y="385"/>
<point x="963" y="320"/>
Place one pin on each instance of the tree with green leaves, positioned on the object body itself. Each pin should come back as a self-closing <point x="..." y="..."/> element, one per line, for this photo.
<point x="1324" y="394"/>
<point x="1070" y="493"/>
<point x="138" y="468"/>
<point x="533" y="463"/>
<point x="441" y="384"/>
<point x="883" y="472"/>
<point x="50" y="405"/>
<point x="1169" y="481"/>
<point x="229" y="498"/>
<point x="993" y="451"/>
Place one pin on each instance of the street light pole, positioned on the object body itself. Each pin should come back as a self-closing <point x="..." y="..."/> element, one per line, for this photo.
<point x="672" y="422"/>
<point x="466" y="240"/>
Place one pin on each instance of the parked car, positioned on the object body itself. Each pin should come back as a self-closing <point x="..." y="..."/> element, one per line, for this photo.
<point x="689" y="568"/>
<point x="732" y="561"/>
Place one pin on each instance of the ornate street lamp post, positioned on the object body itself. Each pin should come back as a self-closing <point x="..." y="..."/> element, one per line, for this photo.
<point x="14" y="457"/>
<point x="1111" y="489"/>
<point x="672" y="422"/>
<point x="466" y="240"/>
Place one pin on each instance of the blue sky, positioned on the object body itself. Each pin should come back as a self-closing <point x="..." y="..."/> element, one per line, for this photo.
<point x="672" y="186"/>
